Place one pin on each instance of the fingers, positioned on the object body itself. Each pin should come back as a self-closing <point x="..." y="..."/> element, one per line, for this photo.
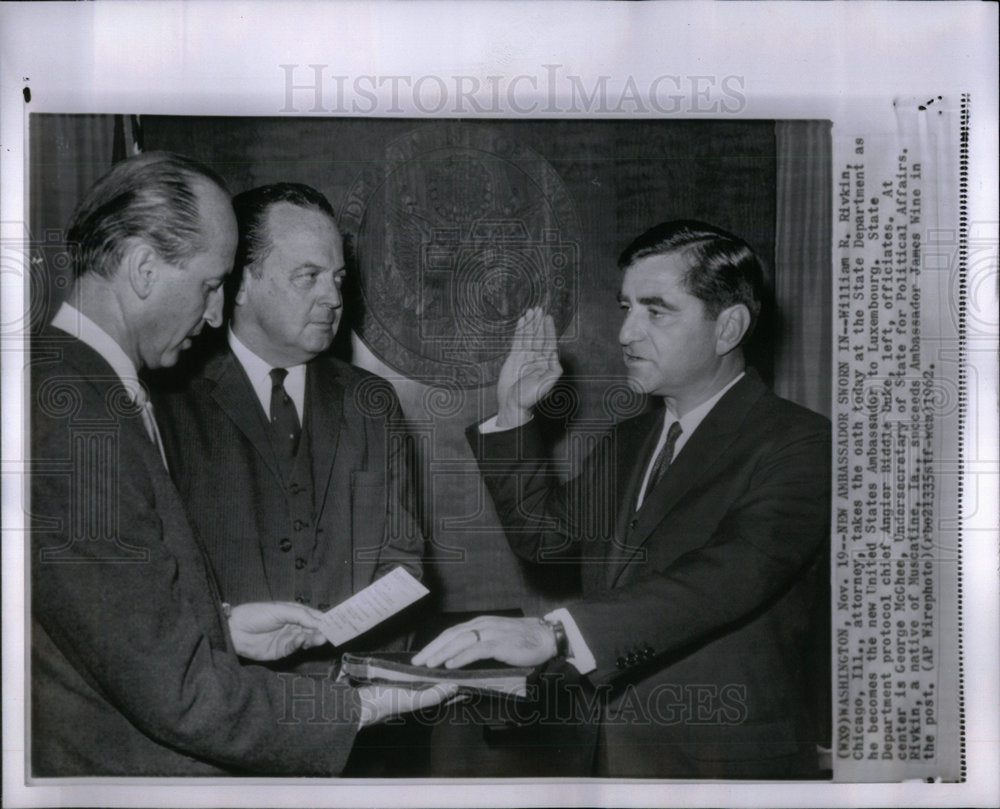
<point x="314" y="638"/>
<point x="380" y="702"/>
<point x="531" y="333"/>
<point x="536" y="334"/>
<point x="444" y="645"/>
<point x="292" y="613"/>
<point x="262" y="616"/>
<point x="454" y="640"/>
<point x="429" y="697"/>
<point x="288" y="639"/>
<point x="461" y="644"/>
<point x="291" y="639"/>
<point x="548" y="329"/>
<point x="469" y="654"/>
<point x="541" y="339"/>
<point x="522" y="340"/>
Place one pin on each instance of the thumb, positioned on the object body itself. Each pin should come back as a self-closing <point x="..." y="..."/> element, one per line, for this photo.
<point x="294" y="613"/>
<point x="312" y="638"/>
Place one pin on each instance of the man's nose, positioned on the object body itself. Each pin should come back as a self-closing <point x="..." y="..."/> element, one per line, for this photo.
<point x="329" y="292"/>
<point x="628" y="333"/>
<point x="213" y="311"/>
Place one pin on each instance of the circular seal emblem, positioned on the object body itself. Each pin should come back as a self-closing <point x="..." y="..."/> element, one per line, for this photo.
<point x="456" y="232"/>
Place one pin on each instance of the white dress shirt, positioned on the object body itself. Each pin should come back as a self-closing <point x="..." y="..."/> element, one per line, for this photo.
<point x="259" y="373"/>
<point x="74" y="322"/>
<point x="689" y="423"/>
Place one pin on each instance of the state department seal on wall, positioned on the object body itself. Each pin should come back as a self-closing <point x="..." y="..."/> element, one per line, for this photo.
<point x="457" y="231"/>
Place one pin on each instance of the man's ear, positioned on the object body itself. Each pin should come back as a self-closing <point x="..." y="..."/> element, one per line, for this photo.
<point x="141" y="265"/>
<point x="241" y="293"/>
<point x="730" y="328"/>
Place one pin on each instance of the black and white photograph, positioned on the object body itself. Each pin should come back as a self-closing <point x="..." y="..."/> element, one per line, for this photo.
<point x="474" y="263"/>
<point x="470" y="433"/>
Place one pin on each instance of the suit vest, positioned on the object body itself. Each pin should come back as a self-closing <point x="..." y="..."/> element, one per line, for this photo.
<point x="291" y="561"/>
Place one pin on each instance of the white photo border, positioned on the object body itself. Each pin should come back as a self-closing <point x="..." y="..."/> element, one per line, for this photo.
<point x="841" y="61"/>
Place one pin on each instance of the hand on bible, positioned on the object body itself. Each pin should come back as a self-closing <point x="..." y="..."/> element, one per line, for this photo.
<point x="517" y="641"/>
<point x="382" y="702"/>
<point x="530" y="370"/>
<point x="269" y="630"/>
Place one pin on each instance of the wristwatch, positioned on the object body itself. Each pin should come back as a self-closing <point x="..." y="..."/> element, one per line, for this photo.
<point x="559" y="632"/>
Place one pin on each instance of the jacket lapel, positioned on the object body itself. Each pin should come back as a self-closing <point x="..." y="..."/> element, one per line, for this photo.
<point x="96" y="372"/>
<point x="708" y="444"/>
<point x="236" y="398"/>
<point x="324" y="412"/>
<point x="634" y="452"/>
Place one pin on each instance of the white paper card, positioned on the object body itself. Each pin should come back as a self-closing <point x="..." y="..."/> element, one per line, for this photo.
<point x="378" y="601"/>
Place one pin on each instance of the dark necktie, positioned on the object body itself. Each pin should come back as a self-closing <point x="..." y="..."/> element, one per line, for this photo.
<point x="284" y="419"/>
<point x="664" y="458"/>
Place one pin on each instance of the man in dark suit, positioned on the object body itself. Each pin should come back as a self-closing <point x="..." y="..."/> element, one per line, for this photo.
<point x="136" y="660"/>
<point x="695" y="613"/>
<point x="305" y="451"/>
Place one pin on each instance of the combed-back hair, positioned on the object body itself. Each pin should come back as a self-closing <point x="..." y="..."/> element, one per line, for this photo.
<point x="251" y="215"/>
<point x="723" y="270"/>
<point x="151" y="197"/>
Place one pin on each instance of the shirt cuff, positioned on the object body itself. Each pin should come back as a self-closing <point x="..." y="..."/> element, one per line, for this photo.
<point x="490" y="426"/>
<point x="580" y="656"/>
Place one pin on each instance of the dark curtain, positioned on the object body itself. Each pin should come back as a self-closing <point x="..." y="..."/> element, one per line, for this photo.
<point x="67" y="155"/>
<point x="802" y="256"/>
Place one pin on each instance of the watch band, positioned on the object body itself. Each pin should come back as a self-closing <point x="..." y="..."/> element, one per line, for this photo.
<point x="562" y="642"/>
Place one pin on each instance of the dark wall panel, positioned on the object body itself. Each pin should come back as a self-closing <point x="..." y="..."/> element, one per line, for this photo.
<point x="504" y="192"/>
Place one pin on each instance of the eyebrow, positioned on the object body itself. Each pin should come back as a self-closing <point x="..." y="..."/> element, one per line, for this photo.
<point x="656" y="300"/>
<point x="311" y="267"/>
<point x="649" y="300"/>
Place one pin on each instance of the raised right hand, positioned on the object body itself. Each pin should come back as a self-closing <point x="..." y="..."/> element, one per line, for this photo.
<point x="530" y="370"/>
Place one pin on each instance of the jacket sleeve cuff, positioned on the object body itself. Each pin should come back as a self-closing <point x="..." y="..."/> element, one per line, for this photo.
<point x="580" y="656"/>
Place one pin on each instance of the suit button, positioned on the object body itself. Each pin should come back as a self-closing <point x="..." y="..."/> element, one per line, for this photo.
<point x="298" y="525"/>
<point x="300" y="563"/>
<point x="631" y="659"/>
<point x="632" y="524"/>
<point x="620" y="662"/>
<point x="285" y="544"/>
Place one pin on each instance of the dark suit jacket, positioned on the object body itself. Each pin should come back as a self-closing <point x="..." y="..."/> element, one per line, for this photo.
<point x="133" y="670"/>
<point x="222" y="460"/>
<point x="697" y="610"/>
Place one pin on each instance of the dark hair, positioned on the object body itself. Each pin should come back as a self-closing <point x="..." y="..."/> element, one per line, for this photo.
<point x="723" y="270"/>
<point x="150" y="197"/>
<point x="251" y="215"/>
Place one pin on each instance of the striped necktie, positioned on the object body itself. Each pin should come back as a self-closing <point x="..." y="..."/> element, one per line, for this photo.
<point x="663" y="459"/>
<point x="285" y="426"/>
<point x="149" y="422"/>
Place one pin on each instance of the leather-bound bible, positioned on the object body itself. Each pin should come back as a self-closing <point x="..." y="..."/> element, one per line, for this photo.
<point x="488" y="678"/>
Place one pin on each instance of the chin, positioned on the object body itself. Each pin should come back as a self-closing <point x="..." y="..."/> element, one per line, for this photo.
<point x="637" y="384"/>
<point x="319" y="346"/>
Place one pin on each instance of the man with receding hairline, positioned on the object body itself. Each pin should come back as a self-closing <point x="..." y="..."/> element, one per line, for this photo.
<point x="695" y="615"/>
<point x="136" y="658"/>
